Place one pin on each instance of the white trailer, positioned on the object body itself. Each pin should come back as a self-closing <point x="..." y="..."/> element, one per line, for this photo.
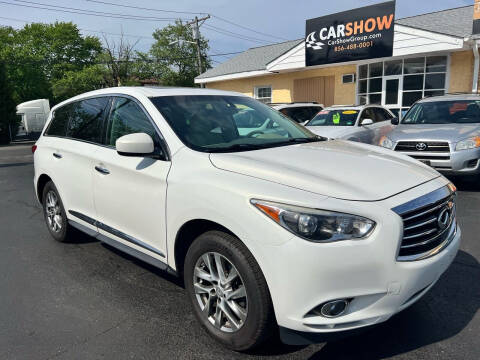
<point x="33" y="115"/>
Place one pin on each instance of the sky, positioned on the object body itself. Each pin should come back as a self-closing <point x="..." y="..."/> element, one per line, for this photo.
<point x="256" y="22"/>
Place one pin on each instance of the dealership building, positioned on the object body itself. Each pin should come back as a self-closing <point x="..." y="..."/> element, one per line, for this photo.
<point x="433" y="54"/>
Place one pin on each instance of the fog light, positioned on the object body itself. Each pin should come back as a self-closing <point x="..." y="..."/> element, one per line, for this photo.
<point x="334" y="308"/>
<point x="472" y="163"/>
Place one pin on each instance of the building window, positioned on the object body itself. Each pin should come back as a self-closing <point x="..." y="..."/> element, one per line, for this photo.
<point x="414" y="78"/>
<point x="263" y="94"/>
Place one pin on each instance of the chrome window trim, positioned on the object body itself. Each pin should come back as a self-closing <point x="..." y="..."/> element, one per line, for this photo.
<point x="111" y="97"/>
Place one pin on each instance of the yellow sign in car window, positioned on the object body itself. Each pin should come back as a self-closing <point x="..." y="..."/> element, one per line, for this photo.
<point x="350" y="112"/>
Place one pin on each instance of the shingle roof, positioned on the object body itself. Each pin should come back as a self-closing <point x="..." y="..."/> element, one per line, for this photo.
<point x="251" y="59"/>
<point x="455" y="22"/>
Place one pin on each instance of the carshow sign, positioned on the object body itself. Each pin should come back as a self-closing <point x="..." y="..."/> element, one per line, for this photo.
<point x="358" y="34"/>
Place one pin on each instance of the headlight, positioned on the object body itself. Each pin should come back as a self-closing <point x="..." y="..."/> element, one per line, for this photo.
<point x="316" y="225"/>
<point x="470" y="143"/>
<point x="386" y="142"/>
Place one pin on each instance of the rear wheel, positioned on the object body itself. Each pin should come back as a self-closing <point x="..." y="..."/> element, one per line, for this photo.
<point x="54" y="213"/>
<point x="228" y="291"/>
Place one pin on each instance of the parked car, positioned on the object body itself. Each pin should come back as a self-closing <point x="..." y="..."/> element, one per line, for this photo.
<point x="441" y="131"/>
<point x="33" y="115"/>
<point x="300" y="112"/>
<point x="278" y="229"/>
<point x="362" y="123"/>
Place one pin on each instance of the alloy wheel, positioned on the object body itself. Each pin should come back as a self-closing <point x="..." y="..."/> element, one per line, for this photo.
<point x="53" y="211"/>
<point x="220" y="292"/>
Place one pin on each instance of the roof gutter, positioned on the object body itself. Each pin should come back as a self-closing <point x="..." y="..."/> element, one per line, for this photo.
<point x="476" y="64"/>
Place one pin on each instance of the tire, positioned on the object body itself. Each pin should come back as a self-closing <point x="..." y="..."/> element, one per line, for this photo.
<point x="55" y="216"/>
<point x="259" y="323"/>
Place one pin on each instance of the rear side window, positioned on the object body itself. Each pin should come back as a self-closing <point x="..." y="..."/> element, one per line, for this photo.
<point x="58" y="124"/>
<point x="301" y="113"/>
<point x="382" y="114"/>
<point x="126" y="117"/>
<point x="86" y="119"/>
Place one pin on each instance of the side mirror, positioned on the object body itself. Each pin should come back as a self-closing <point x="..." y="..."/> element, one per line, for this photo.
<point x="395" y="121"/>
<point x="138" y="144"/>
<point x="366" y="122"/>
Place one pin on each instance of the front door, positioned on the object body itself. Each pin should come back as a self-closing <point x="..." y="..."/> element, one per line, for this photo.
<point x="392" y="93"/>
<point x="130" y="192"/>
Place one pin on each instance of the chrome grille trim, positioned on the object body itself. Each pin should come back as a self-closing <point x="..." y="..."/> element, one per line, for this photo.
<point x="432" y="146"/>
<point x="420" y="224"/>
<point x="424" y="233"/>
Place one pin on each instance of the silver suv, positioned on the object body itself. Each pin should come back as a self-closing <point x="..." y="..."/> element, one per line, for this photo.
<point x="441" y="131"/>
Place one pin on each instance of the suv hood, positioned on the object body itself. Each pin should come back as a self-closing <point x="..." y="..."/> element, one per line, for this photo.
<point x="332" y="132"/>
<point x="445" y="132"/>
<point x="340" y="169"/>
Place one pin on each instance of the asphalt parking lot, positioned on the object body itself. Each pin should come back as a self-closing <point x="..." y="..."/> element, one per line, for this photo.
<point x="85" y="300"/>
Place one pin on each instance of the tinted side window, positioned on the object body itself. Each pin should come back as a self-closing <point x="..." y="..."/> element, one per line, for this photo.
<point x="58" y="124"/>
<point x="301" y="113"/>
<point x="126" y="117"/>
<point x="368" y="114"/>
<point x="86" y="119"/>
<point x="385" y="114"/>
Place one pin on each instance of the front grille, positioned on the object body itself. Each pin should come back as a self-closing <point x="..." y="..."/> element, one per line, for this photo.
<point x="428" y="222"/>
<point x="430" y="146"/>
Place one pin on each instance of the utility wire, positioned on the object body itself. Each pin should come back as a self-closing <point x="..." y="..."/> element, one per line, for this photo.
<point x="185" y="12"/>
<point x="247" y="28"/>
<point x="144" y="8"/>
<point x="65" y="9"/>
<point x="202" y="13"/>
<point x="237" y="36"/>
<point x="94" y="31"/>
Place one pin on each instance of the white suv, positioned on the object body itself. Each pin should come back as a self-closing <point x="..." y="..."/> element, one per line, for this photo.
<point x="267" y="229"/>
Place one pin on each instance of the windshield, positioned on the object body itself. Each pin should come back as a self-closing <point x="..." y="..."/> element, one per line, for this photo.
<point x="444" y="112"/>
<point x="337" y="117"/>
<point x="213" y="123"/>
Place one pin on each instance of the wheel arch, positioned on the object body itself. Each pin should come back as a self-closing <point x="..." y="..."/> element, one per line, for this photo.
<point x="188" y="232"/>
<point x="41" y="182"/>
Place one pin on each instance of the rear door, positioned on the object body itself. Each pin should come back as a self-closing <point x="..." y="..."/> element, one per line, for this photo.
<point x="72" y="154"/>
<point x="130" y="192"/>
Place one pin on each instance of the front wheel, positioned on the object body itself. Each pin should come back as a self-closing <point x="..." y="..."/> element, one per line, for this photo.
<point x="228" y="291"/>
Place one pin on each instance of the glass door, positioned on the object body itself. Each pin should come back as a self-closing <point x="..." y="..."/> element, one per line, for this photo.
<point x="392" y="93"/>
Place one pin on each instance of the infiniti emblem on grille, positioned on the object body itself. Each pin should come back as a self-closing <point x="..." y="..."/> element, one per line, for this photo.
<point x="421" y="146"/>
<point x="443" y="218"/>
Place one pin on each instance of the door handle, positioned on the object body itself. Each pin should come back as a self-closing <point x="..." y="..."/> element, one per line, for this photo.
<point x="102" y="170"/>
<point x="57" y="155"/>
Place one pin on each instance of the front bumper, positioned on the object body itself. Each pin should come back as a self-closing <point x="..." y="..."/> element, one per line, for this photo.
<point x="366" y="271"/>
<point x="463" y="162"/>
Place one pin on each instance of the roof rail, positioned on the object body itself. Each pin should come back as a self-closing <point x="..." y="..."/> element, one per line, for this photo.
<point x="460" y="93"/>
<point x="293" y="102"/>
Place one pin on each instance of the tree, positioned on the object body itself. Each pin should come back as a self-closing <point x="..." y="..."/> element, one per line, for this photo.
<point x="39" y="55"/>
<point x="176" y="64"/>
<point x="8" y="119"/>
<point x="77" y="82"/>
<point x="119" y="58"/>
